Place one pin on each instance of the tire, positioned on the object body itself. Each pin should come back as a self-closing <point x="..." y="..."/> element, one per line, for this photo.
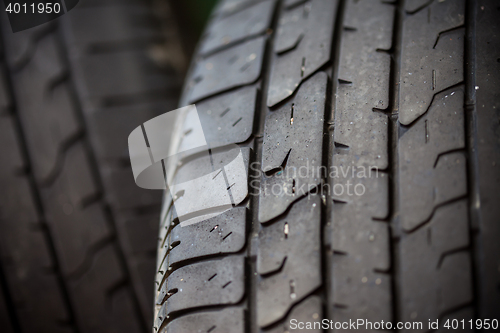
<point x="77" y="236"/>
<point x="404" y="90"/>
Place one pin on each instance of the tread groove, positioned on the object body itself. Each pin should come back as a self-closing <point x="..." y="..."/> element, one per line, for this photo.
<point x="394" y="130"/>
<point x="471" y="148"/>
<point x="329" y="148"/>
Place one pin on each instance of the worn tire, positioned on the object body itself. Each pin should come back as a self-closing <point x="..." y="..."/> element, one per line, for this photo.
<point x="77" y="236"/>
<point x="408" y="89"/>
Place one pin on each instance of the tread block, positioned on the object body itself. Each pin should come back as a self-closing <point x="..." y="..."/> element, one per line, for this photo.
<point x="75" y="224"/>
<point x="436" y="270"/>
<point x="413" y="5"/>
<point x="5" y="317"/>
<point x="293" y="143"/>
<point x="228" y="7"/>
<point x="359" y="290"/>
<point x="291" y="272"/>
<point x="431" y="171"/>
<point x="108" y="26"/>
<point x="19" y="47"/>
<point x="123" y="193"/>
<point x="209" y="76"/>
<point x="290" y="3"/>
<point x="12" y="160"/>
<point x="139" y="233"/>
<point x="5" y="98"/>
<point x="224" y="233"/>
<point x="303" y="45"/>
<point x="45" y="106"/>
<point x="360" y="245"/>
<point x="220" y="173"/>
<point x="353" y="224"/>
<point x="365" y="190"/>
<point x="243" y="24"/>
<point x="123" y="312"/>
<point x="26" y="259"/>
<point x="16" y="192"/>
<point x="108" y="303"/>
<point x="309" y="310"/>
<point x="105" y="82"/>
<point x="214" y="282"/>
<point x="228" y="118"/>
<point x="361" y="252"/>
<point x="433" y="60"/>
<point x="364" y="82"/>
<point x="142" y="271"/>
<point x="230" y="320"/>
<point x="120" y="121"/>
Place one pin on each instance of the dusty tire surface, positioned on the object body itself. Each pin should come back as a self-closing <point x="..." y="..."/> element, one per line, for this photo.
<point x="77" y="236"/>
<point x="406" y="90"/>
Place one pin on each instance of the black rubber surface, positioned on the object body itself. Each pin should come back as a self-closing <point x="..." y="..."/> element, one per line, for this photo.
<point x="407" y="89"/>
<point x="77" y="236"/>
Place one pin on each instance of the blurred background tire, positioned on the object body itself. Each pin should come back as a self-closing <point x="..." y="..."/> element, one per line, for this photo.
<point x="77" y="236"/>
